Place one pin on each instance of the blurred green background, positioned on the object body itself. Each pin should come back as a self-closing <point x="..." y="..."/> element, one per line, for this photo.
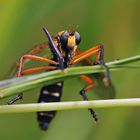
<point x="115" y="23"/>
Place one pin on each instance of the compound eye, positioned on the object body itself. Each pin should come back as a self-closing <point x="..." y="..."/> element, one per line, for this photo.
<point x="64" y="38"/>
<point x="78" y="38"/>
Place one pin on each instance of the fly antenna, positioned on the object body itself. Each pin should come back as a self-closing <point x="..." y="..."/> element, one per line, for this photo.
<point x="72" y="28"/>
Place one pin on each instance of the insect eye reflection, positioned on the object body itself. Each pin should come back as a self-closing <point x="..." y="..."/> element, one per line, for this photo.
<point x="78" y="38"/>
<point x="64" y="38"/>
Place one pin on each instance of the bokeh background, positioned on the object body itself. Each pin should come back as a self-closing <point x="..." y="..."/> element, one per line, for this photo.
<point x="115" y="23"/>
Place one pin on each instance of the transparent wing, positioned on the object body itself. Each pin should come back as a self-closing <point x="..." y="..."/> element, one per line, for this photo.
<point x="104" y="92"/>
<point x="41" y="49"/>
<point x="38" y="48"/>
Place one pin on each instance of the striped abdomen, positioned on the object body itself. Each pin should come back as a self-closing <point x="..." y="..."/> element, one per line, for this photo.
<point x="49" y="93"/>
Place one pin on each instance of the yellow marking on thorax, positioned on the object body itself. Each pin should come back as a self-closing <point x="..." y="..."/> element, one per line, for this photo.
<point x="60" y="33"/>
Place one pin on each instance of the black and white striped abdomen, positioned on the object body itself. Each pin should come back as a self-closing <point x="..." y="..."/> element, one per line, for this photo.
<point x="49" y="93"/>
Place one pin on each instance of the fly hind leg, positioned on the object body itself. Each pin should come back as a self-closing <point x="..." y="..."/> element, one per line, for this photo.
<point x="83" y="94"/>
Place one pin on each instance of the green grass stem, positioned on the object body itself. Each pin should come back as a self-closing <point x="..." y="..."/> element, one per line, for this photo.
<point x="18" y="85"/>
<point x="69" y="105"/>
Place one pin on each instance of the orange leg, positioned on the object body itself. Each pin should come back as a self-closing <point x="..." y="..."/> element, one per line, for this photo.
<point x="38" y="48"/>
<point x="32" y="57"/>
<point x="99" y="51"/>
<point x="37" y="69"/>
<point x="89" y="52"/>
<point x="31" y="70"/>
<point x="88" y="60"/>
<point x="87" y="80"/>
<point x="83" y="93"/>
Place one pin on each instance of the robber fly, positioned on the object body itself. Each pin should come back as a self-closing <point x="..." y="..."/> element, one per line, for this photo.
<point x="65" y="52"/>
